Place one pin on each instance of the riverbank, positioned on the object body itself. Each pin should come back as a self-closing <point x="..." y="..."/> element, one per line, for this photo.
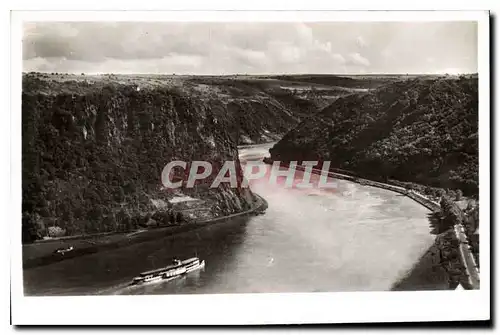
<point x="427" y="274"/>
<point x="41" y="253"/>
<point x="469" y="268"/>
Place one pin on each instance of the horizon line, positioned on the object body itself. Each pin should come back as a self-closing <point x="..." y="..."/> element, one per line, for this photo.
<point x="256" y="74"/>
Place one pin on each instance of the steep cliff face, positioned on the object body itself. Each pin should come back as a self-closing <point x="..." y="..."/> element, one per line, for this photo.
<point x="261" y="110"/>
<point x="423" y="130"/>
<point x="94" y="146"/>
<point x="93" y="153"/>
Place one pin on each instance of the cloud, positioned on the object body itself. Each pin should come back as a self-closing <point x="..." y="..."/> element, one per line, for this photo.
<point x="387" y="53"/>
<point x="290" y="54"/>
<point x="304" y="34"/>
<point x="339" y="58"/>
<point x="449" y="70"/>
<point x="249" y="58"/>
<point x="246" y="47"/>
<point x="356" y="59"/>
<point x="360" y="41"/>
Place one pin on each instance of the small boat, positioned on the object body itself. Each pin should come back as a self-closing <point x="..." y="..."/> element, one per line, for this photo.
<point x="177" y="269"/>
<point x="62" y="251"/>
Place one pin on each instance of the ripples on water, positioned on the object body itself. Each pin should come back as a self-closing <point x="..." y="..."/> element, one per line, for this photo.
<point x="351" y="238"/>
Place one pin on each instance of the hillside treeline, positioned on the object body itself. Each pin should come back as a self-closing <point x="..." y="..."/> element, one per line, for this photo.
<point x="92" y="156"/>
<point x="422" y="130"/>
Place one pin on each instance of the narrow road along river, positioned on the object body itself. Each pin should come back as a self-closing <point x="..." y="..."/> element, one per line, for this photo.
<point x="350" y="238"/>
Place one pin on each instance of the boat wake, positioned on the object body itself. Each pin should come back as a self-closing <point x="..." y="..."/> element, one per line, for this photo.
<point x="114" y="290"/>
<point x="154" y="279"/>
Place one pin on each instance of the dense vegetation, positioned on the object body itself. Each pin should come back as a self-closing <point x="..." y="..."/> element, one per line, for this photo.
<point x="421" y="130"/>
<point x="359" y="81"/>
<point x="92" y="154"/>
<point x="448" y="216"/>
<point x="264" y="109"/>
<point x="94" y="146"/>
<point x="471" y="224"/>
<point x="444" y="221"/>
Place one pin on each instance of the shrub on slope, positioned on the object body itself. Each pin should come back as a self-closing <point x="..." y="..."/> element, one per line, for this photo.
<point x="92" y="156"/>
<point x="423" y="130"/>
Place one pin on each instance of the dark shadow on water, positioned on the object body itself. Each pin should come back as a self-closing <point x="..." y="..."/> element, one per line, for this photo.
<point x="435" y="225"/>
<point x="426" y="274"/>
<point x="217" y="244"/>
<point x="86" y="274"/>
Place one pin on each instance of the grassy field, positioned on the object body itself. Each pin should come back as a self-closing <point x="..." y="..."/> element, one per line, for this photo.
<point x="226" y="87"/>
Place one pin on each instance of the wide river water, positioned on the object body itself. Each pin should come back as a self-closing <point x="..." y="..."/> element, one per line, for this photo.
<point x="350" y="238"/>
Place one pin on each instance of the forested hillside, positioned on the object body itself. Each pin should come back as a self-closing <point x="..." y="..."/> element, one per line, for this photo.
<point x="92" y="155"/>
<point x="94" y="146"/>
<point x="423" y="130"/>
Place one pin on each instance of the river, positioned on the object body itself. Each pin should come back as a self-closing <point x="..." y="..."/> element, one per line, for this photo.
<point x="351" y="238"/>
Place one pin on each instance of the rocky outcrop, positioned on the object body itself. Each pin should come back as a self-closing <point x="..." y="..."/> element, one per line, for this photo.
<point x="422" y="130"/>
<point x="93" y="153"/>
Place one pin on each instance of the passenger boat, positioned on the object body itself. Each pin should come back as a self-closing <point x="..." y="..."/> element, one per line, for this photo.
<point x="193" y="264"/>
<point x="177" y="269"/>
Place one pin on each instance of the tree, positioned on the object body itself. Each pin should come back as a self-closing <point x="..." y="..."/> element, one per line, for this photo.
<point x="29" y="229"/>
<point x="120" y="194"/>
<point x="55" y="231"/>
<point x="450" y="214"/>
<point x="179" y="217"/>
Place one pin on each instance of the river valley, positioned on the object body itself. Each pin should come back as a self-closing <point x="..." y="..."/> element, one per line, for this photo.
<point x="349" y="238"/>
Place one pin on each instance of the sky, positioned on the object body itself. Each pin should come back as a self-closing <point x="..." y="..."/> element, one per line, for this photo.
<point x="250" y="48"/>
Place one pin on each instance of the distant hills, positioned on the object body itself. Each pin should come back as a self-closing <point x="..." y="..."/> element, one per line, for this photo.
<point x="423" y="130"/>
<point x="94" y="146"/>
